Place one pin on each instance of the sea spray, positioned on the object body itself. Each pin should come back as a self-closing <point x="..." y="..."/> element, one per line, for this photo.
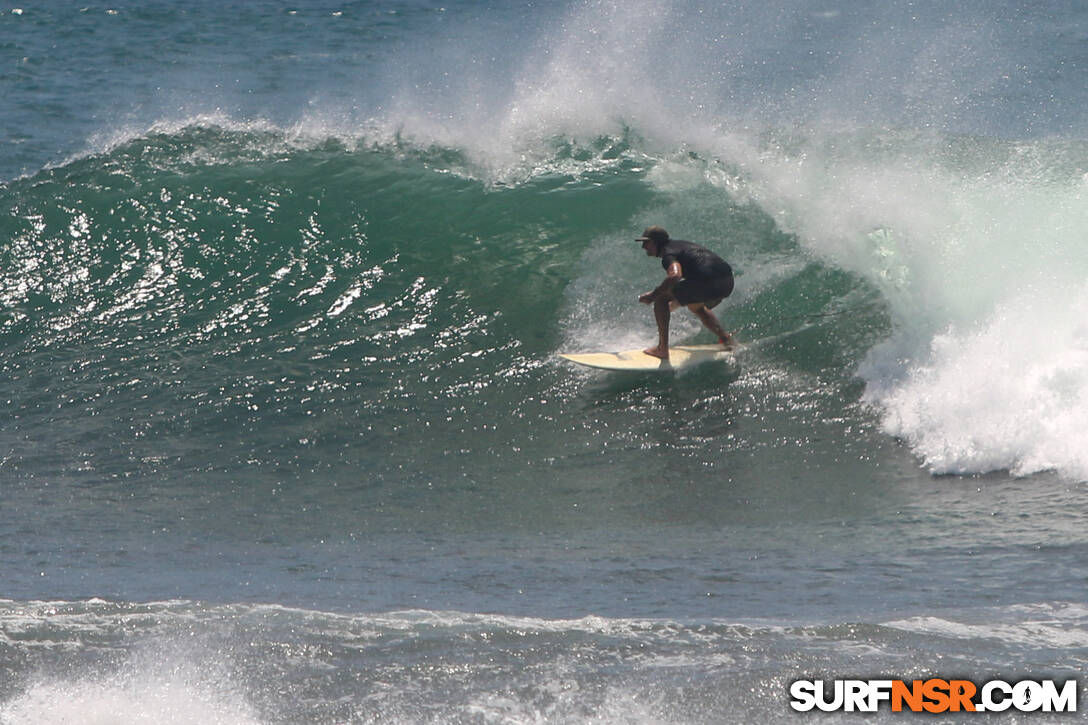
<point x="976" y="248"/>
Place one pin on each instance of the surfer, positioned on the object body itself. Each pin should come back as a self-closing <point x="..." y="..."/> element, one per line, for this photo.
<point x="694" y="277"/>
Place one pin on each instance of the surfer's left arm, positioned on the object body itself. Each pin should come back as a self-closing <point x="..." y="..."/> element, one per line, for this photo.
<point x="673" y="275"/>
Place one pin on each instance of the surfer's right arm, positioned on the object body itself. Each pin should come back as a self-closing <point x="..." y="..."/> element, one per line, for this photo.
<point x="673" y="275"/>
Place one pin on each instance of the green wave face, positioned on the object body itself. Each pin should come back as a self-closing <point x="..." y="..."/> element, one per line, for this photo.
<point x="207" y="298"/>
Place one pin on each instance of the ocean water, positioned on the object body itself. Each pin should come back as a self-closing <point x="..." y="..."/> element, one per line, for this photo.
<point x="283" y="433"/>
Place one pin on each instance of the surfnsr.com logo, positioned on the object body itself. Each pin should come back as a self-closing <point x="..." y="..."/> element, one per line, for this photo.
<point x="933" y="696"/>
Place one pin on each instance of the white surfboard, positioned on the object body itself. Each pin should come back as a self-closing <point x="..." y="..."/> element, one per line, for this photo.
<point x="680" y="356"/>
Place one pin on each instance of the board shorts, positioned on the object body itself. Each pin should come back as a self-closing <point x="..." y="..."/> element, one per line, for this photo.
<point x="708" y="291"/>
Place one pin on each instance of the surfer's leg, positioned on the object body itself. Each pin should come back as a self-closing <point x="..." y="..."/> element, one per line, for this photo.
<point x="711" y="323"/>
<point x="662" y="313"/>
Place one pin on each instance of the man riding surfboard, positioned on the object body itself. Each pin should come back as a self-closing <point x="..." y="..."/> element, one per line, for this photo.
<point x="695" y="277"/>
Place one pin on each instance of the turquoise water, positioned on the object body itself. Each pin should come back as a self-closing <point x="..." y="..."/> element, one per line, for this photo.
<point x="285" y="437"/>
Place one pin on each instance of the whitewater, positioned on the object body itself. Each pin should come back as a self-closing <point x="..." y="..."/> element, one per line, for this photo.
<point x="284" y="434"/>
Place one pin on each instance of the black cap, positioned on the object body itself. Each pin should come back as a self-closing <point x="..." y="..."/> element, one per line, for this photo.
<point x="655" y="234"/>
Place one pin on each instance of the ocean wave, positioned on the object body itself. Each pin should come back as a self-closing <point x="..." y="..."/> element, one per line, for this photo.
<point x="207" y="228"/>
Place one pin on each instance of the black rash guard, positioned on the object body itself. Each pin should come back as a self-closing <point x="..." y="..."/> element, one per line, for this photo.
<point x="707" y="277"/>
<point x="697" y="263"/>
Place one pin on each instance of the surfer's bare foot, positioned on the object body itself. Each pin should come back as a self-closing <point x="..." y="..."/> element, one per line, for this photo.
<point x="657" y="352"/>
<point x="727" y="341"/>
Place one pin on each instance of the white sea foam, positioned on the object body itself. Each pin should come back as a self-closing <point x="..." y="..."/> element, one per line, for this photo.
<point x="1058" y="625"/>
<point x="983" y="267"/>
<point x="1010" y="392"/>
<point x="144" y="691"/>
<point x="164" y="679"/>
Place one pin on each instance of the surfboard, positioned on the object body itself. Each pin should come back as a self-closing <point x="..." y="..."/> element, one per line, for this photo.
<point x="680" y="356"/>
